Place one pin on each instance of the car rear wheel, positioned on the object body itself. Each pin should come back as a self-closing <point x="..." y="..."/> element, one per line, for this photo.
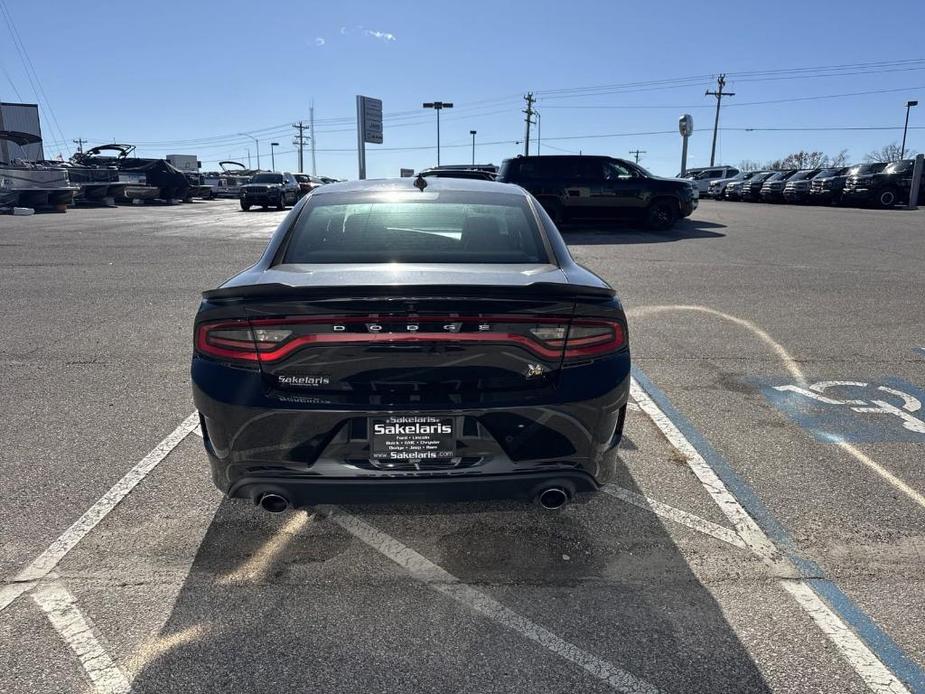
<point x="661" y="215"/>
<point x="246" y="206"/>
<point x="886" y="198"/>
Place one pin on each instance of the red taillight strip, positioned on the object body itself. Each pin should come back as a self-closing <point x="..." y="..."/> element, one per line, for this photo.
<point x="592" y="345"/>
<point x="389" y="338"/>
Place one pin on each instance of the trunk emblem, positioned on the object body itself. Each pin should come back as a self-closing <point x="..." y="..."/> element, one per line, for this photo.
<point x="534" y="370"/>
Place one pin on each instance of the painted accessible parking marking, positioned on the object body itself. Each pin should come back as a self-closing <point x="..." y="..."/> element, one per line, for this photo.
<point x="855" y="411"/>
<point x="873" y="655"/>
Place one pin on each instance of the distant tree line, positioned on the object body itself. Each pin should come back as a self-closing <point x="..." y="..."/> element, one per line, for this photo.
<point x="820" y="160"/>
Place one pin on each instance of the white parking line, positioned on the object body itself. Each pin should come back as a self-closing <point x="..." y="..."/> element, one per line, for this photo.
<point x="676" y="515"/>
<point x="57" y="550"/>
<point x="444" y="582"/>
<point x="862" y="660"/>
<point x="745" y="525"/>
<point x="59" y="605"/>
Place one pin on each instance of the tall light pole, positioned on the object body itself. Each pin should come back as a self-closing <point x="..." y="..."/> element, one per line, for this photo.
<point x="909" y="104"/>
<point x="539" y="130"/>
<point x="473" y="132"/>
<point x="272" y="155"/>
<point x="258" y="146"/>
<point x="438" y="106"/>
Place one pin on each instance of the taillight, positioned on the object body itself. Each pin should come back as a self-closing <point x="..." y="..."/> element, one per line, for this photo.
<point x="590" y="338"/>
<point x="237" y="340"/>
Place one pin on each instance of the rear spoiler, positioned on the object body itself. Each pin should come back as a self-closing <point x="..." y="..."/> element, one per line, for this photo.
<point x="535" y="290"/>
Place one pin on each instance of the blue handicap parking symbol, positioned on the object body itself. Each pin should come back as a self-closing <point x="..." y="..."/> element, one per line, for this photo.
<point x="856" y="411"/>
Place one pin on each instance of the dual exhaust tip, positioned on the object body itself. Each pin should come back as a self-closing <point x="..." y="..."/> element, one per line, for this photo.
<point x="550" y="498"/>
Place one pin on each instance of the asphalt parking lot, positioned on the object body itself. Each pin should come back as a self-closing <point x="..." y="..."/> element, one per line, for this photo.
<point x="767" y="532"/>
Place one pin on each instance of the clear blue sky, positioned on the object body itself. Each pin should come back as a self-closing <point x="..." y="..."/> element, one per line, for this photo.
<point x="185" y="77"/>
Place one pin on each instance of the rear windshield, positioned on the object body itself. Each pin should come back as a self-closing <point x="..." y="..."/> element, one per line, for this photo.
<point x="267" y="178"/>
<point x="422" y="227"/>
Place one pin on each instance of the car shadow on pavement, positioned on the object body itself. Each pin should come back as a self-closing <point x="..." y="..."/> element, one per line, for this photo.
<point x="300" y="601"/>
<point x="615" y="233"/>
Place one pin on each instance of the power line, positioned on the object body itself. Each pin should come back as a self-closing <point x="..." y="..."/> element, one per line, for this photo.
<point x="28" y="66"/>
<point x="737" y="103"/>
<point x="12" y="83"/>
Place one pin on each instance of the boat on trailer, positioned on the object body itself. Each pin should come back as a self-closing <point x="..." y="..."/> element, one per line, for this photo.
<point x="138" y="178"/>
<point x="38" y="185"/>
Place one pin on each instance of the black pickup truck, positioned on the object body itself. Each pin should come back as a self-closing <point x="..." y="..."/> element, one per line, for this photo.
<point x="882" y="185"/>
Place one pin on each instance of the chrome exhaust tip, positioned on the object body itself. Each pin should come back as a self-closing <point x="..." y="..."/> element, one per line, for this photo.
<point x="273" y="503"/>
<point x="553" y="498"/>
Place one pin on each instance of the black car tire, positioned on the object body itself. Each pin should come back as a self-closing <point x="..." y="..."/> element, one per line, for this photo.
<point x="886" y="198"/>
<point x="281" y="204"/>
<point x="246" y="206"/>
<point x="661" y="215"/>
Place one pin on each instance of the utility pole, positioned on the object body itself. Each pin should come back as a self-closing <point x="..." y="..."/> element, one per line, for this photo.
<point x="473" y="133"/>
<point x="311" y="125"/>
<point x="80" y="144"/>
<point x="637" y="152"/>
<point x="299" y="141"/>
<point x="528" y="121"/>
<point x="719" y="94"/>
<point x="902" y="151"/>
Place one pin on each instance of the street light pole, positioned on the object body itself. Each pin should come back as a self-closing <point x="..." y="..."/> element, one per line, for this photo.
<point x="272" y="155"/>
<point x="472" y="132"/>
<point x="438" y="106"/>
<point x="539" y="131"/>
<point x="258" y="147"/>
<point x="909" y="105"/>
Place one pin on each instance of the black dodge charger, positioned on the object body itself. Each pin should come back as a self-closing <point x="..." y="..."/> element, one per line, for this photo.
<point x="426" y="339"/>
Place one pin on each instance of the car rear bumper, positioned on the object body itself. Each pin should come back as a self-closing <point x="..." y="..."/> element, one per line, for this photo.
<point x="300" y="492"/>
<point x="313" y="452"/>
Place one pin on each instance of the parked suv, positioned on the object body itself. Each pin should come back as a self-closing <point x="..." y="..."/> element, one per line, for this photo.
<point x="266" y="189"/>
<point x="732" y="189"/>
<point x="703" y="177"/>
<point x="828" y="184"/>
<point x="772" y="190"/>
<point x="751" y="189"/>
<point x="599" y="187"/>
<point x="717" y="187"/>
<point x="797" y="186"/>
<point x="885" y="186"/>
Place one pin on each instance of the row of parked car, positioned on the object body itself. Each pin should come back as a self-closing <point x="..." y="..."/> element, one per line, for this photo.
<point x="881" y="184"/>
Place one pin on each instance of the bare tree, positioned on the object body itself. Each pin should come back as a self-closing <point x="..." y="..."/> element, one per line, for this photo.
<point x="804" y="160"/>
<point x="749" y="165"/>
<point x="839" y="160"/>
<point x="887" y="153"/>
